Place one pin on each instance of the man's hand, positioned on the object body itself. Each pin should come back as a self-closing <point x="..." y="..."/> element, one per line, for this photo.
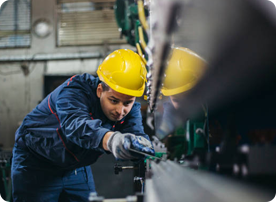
<point x="119" y="145"/>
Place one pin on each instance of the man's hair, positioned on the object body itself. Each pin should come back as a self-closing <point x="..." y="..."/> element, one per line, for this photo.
<point x="105" y="86"/>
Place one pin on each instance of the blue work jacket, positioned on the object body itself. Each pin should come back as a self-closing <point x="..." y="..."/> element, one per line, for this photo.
<point x="66" y="129"/>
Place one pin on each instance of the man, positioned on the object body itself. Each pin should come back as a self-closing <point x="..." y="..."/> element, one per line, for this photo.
<point x="75" y="124"/>
<point x="184" y="69"/>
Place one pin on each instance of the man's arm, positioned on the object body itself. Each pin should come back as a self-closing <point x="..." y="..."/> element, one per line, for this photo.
<point x="73" y="112"/>
<point x="72" y="109"/>
<point x="131" y="135"/>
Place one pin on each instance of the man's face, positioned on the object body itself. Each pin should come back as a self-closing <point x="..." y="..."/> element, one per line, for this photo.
<point x="114" y="105"/>
<point x="177" y="99"/>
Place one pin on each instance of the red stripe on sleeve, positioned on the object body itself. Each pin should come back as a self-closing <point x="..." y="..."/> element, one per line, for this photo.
<point x="52" y="110"/>
<point x="70" y="80"/>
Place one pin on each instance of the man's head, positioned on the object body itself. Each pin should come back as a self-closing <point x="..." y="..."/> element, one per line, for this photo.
<point x="115" y="105"/>
<point x="123" y="76"/>
<point x="184" y="69"/>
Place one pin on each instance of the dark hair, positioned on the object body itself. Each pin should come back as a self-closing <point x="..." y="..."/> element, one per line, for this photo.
<point x="105" y="86"/>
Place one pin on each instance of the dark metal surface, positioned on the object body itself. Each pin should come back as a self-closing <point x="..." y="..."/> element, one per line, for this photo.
<point x="172" y="182"/>
<point x="240" y="45"/>
<point x="107" y="183"/>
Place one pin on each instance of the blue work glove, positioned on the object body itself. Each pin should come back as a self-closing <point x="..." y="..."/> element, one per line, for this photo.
<point x="119" y="144"/>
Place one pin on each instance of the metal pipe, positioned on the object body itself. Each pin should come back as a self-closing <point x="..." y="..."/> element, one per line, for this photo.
<point x="128" y="167"/>
<point x="48" y="57"/>
<point x="141" y="38"/>
<point x="142" y="16"/>
<point x="140" y="53"/>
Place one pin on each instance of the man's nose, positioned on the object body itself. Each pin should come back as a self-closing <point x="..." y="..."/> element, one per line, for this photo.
<point x="120" y="109"/>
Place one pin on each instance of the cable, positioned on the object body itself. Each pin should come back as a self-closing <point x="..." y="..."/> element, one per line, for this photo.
<point x="33" y="67"/>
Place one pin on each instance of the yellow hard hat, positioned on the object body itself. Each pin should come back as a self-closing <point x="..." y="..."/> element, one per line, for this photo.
<point x="184" y="68"/>
<point x="124" y="71"/>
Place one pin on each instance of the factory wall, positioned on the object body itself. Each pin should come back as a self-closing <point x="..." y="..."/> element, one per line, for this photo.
<point x="21" y="93"/>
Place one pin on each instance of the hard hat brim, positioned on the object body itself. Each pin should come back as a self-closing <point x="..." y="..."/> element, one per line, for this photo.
<point x="174" y="91"/>
<point x="117" y="88"/>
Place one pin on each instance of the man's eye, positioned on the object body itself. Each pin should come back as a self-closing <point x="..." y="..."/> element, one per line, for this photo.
<point x="114" y="101"/>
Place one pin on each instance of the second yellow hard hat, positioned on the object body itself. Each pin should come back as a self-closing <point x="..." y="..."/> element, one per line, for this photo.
<point x="184" y="68"/>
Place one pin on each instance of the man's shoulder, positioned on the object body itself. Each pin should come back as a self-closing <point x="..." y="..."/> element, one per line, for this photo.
<point x="136" y="105"/>
<point x="89" y="79"/>
<point x="136" y="108"/>
<point x="87" y="83"/>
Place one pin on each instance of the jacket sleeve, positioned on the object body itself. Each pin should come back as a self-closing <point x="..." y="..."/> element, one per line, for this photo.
<point x="133" y="122"/>
<point x="72" y="107"/>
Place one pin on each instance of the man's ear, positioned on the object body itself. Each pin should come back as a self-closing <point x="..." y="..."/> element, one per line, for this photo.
<point x="99" y="90"/>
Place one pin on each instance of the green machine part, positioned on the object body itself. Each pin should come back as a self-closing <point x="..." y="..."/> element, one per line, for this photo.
<point x="126" y="13"/>
<point x="189" y="138"/>
<point x="6" y="168"/>
<point x="195" y="140"/>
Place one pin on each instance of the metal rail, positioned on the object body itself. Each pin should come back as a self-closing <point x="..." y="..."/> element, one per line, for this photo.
<point x="173" y="182"/>
<point x="164" y="15"/>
